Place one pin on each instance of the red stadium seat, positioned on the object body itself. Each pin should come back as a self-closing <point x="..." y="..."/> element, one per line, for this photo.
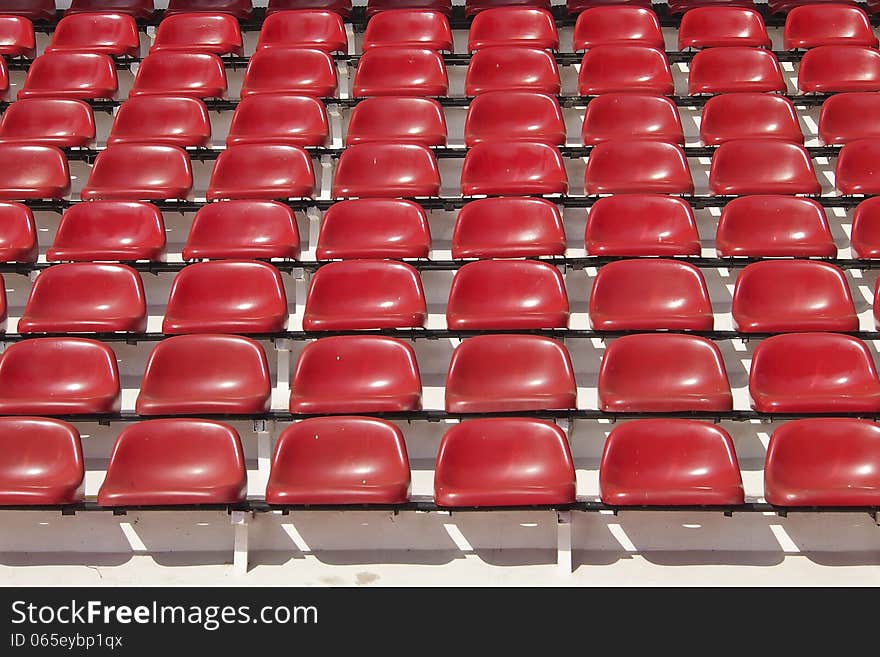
<point x="356" y="374"/>
<point x="374" y="228"/>
<point x="18" y="233"/>
<point x="322" y="30"/>
<point x="35" y="10"/>
<point x="17" y="37"/>
<point x="109" y="230"/>
<point x="139" y="172"/>
<point x="625" y="68"/>
<point x="514" y="116"/>
<point x="617" y="26"/>
<point x="773" y="227"/>
<point x="809" y="26"/>
<point x="376" y="6"/>
<point x="473" y="7"/>
<point x="513" y="26"/>
<point x="279" y="119"/>
<point x="641" y="225"/>
<point x="169" y="120"/>
<point x="502" y="68"/>
<point x="509" y="227"/>
<point x="214" y="374"/>
<point x="504" y="462"/>
<point x="649" y="294"/>
<point x="58" y="376"/>
<point x="491" y="373"/>
<point x="512" y="168"/>
<point x="386" y="170"/>
<point x="507" y="294"/>
<point x="762" y="166"/>
<point x="262" y="171"/>
<point x="106" y="34"/>
<point x="243" y="229"/>
<point x="849" y="116"/>
<point x="66" y="123"/>
<point x="398" y="119"/>
<point x="230" y="296"/>
<point x="364" y="294"/>
<point x="669" y="463"/>
<point x="830" y="69"/>
<point x="707" y="27"/>
<point x="855" y="171"/>
<point x="241" y="9"/>
<point x="341" y="7"/>
<point x="734" y="69"/>
<point x="141" y="10"/>
<point x="749" y="115"/>
<point x="41" y="462"/>
<point x="400" y="71"/>
<point x="175" y="461"/>
<point x="412" y="28"/>
<point x="297" y="71"/>
<point x="199" y="75"/>
<point x="661" y="373"/>
<point x="813" y="373"/>
<point x="31" y="172"/>
<point x="317" y="462"/>
<point x="637" y="166"/>
<point x="215" y="34"/>
<point x="865" y="237"/>
<point x="631" y="116"/>
<point x="70" y="75"/>
<point x="792" y="295"/>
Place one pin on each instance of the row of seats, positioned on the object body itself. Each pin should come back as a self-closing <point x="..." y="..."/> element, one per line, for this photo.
<point x="486" y="462"/>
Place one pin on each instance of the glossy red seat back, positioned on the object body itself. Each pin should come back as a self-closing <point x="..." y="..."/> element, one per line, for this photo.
<point x="508" y="227"/>
<point x="217" y="34"/>
<point x="141" y="10"/>
<point x="262" y="171"/>
<point x="18" y="233"/>
<point x="683" y="6"/>
<point x="514" y="116"/>
<point x="631" y="116"/>
<point x="811" y="25"/>
<point x="139" y="172"/>
<point x="637" y="166"/>
<point x="706" y="27"/>
<point x="749" y="115"/>
<point x="617" y="25"/>
<point x="243" y="229"/>
<point x="502" y="68"/>
<point x="397" y="119"/>
<point x="70" y="75"/>
<point x="172" y="121"/>
<point x="578" y="6"/>
<point x="855" y="172"/>
<point x="297" y="71"/>
<point x="374" y="7"/>
<point x="400" y="71"/>
<point x="625" y="68"/>
<point x="65" y="123"/>
<point x="413" y="28"/>
<point x="32" y="172"/>
<point x="513" y="168"/>
<point x="473" y="7"/>
<point x="341" y="7"/>
<point x="35" y="10"/>
<point x="105" y="33"/>
<point x="310" y="28"/>
<point x="762" y="166"/>
<point x="241" y="9"/>
<point x="830" y="69"/>
<point x="513" y="26"/>
<point x="17" y="37"/>
<point x="386" y="170"/>
<point x="865" y="234"/>
<point x="195" y="74"/>
<point x="374" y="228"/>
<point x="279" y="119"/>
<point x="846" y="117"/>
<point x="734" y="69"/>
<point x="641" y="225"/>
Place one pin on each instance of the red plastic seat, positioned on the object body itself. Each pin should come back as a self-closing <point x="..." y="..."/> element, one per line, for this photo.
<point x="262" y="171"/>
<point x="82" y="297"/>
<point x="341" y="7"/>
<point x="279" y="119"/>
<point x="669" y="462"/>
<point x="241" y="9"/>
<point x="407" y="120"/>
<point x="631" y="116"/>
<point x="32" y="172"/>
<point x="507" y="294"/>
<point x="297" y="71"/>
<point x="139" y="172"/>
<point x="400" y="71"/>
<point x="356" y="374"/>
<point x="35" y="10"/>
<point x="830" y="69"/>
<point x="793" y="295"/>
<point x="17" y="37"/>
<point x="774" y="226"/>
<point x="169" y="120"/>
<point x="364" y="294"/>
<point x="749" y="115"/>
<point x="107" y="34"/>
<point x="199" y="75"/>
<point x="661" y="373"/>
<point x="229" y="296"/>
<point x="734" y="69"/>
<point x="317" y="462"/>
<point x="513" y="26"/>
<point x="175" y="461"/>
<point x="374" y="228"/>
<point x="214" y="374"/>
<point x="762" y="166"/>
<point x="625" y="68"/>
<point x="855" y="171"/>
<point x="849" y="116"/>
<point x="502" y="68"/>
<point x="504" y="462"/>
<point x="386" y="170"/>
<point x="865" y="235"/>
<point x="809" y="26"/>
<point x="514" y="116"/>
<point x="641" y="225"/>
<point x="707" y="27"/>
<point x="823" y="462"/>
<point x="376" y="6"/>
<point x="813" y="373"/>
<point x="322" y="30"/>
<point x="243" y="229"/>
<point x="41" y="462"/>
<point x="512" y="168"/>
<point x="70" y="75"/>
<point x="18" y="233"/>
<point x="109" y="230"/>
<point x="217" y="34"/>
<point x="617" y="25"/>
<point x="637" y="166"/>
<point x="58" y="376"/>
<point x="141" y="10"/>
<point x="649" y="294"/>
<point x="508" y="227"/>
<point x="66" y="123"/>
<point x="490" y="373"/>
<point x="412" y="28"/>
<point x="473" y="7"/>
<point x="784" y="6"/>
